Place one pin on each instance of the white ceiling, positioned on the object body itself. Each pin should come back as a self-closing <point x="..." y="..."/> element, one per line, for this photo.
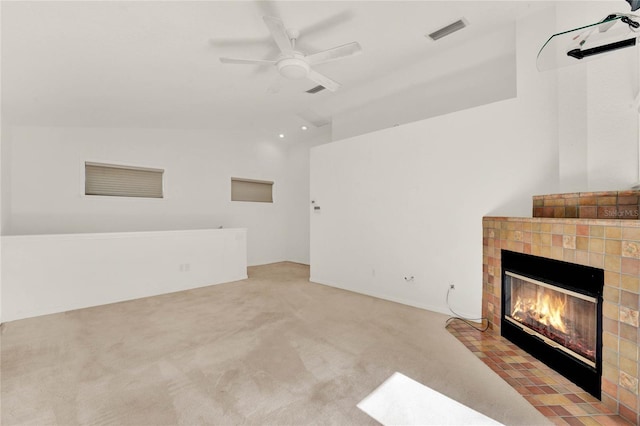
<point x="155" y="63"/>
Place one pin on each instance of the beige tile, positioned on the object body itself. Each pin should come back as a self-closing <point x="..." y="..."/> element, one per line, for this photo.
<point x="610" y="372"/>
<point x="569" y="255"/>
<point x="611" y="279"/>
<point x="613" y="247"/>
<point x="610" y="357"/>
<point x="629" y="316"/>
<point x="553" y="399"/>
<point x="629" y="366"/>
<point x="596" y="245"/>
<point x="611" y="294"/>
<point x="612" y="263"/>
<point x="631" y="234"/>
<point x="630" y="283"/>
<point x="557" y="253"/>
<point x="582" y="257"/>
<point x="610" y="310"/>
<point x="628" y="349"/>
<point x="628" y="399"/>
<point x="536" y="238"/>
<point x="569" y="241"/>
<point x="630" y="249"/>
<point x="596" y="231"/>
<point x="628" y="382"/>
<point x="596" y="260"/>
<point x="610" y="342"/>
<point x="545" y="251"/>
<point x="607" y="201"/>
<point x="613" y="232"/>
<point x="582" y="243"/>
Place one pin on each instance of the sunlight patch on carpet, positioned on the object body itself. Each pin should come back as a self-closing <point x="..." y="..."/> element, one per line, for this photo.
<point x="403" y="401"/>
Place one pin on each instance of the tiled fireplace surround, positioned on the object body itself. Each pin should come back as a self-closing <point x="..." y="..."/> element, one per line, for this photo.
<point x="610" y="244"/>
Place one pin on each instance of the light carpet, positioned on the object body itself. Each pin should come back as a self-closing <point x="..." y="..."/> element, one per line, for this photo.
<point x="274" y="349"/>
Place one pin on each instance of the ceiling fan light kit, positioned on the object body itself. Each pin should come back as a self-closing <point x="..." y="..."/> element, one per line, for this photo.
<point x="293" y="64"/>
<point x="293" y="68"/>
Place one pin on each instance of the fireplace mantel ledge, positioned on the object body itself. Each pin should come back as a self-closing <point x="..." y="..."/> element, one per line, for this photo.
<point x="568" y="221"/>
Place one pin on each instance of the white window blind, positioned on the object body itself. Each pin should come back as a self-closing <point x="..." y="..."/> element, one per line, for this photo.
<point x="260" y="191"/>
<point x="122" y="181"/>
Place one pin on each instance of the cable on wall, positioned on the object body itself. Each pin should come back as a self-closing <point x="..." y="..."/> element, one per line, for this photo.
<point x="467" y="321"/>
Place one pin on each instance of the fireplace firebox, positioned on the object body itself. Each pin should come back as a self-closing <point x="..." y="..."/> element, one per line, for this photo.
<point x="553" y="310"/>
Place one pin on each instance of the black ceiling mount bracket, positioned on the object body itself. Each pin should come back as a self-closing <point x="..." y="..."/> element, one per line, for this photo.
<point x="630" y="22"/>
<point x="579" y="54"/>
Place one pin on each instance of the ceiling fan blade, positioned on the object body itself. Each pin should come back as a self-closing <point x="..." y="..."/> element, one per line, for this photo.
<point x="323" y="80"/>
<point x="246" y="61"/>
<point x="279" y="33"/>
<point x="339" y="52"/>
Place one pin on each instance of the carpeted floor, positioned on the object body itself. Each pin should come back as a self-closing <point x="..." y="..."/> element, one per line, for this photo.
<point x="272" y="349"/>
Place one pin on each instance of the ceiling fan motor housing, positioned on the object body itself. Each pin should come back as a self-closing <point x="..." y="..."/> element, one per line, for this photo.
<point x="293" y="68"/>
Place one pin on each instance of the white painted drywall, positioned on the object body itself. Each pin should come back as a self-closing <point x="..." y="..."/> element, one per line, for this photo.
<point x="44" y="192"/>
<point x="612" y="121"/>
<point x="467" y="75"/>
<point x="299" y="206"/>
<point x="598" y="123"/>
<point x="44" y="274"/>
<point x="408" y="201"/>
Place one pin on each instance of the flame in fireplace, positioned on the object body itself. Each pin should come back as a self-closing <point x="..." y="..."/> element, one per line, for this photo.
<point x="545" y="309"/>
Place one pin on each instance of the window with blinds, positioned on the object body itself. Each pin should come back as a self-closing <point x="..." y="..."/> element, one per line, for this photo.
<point x="122" y="181"/>
<point x="260" y="191"/>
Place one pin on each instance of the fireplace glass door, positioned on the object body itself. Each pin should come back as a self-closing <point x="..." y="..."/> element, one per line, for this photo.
<point x="563" y="319"/>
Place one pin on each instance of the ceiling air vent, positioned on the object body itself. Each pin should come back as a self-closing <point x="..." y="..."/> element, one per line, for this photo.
<point x="449" y="29"/>
<point x="316" y="89"/>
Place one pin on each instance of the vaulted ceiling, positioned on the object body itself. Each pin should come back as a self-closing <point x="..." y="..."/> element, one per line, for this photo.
<point x="155" y="64"/>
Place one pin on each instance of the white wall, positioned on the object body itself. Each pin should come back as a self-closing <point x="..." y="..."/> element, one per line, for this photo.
<point x="44" y="192"/>
<point x="297" y="188"/>
<point x="486" y="74"/>
<point x="612" y="121"/>
<point x="44" y="274"/>
<point x="598" y="122"/>
<point x="409" y="200"/>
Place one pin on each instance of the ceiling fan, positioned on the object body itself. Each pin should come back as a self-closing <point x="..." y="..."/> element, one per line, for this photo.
<point x="293" y="64"/>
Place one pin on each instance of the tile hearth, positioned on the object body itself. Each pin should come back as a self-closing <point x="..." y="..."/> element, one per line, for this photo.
<point x="554" y="396"/>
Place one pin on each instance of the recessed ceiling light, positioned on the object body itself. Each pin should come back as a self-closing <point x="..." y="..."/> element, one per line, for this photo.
<point x="304" y="127"/>
<point x="281" y="135"/>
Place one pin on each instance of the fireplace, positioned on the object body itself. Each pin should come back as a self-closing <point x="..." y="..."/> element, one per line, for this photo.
<point x="611" y="245"/>
<point x="553" y="310"/>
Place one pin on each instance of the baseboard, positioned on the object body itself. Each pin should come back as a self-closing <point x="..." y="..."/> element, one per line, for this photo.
<point x="432" y="308"/>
